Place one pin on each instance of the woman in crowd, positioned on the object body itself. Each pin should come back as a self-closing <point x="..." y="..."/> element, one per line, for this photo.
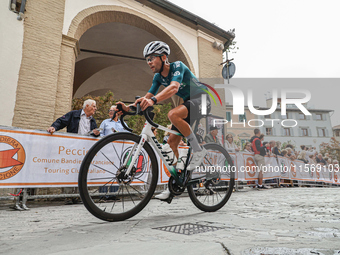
<point x="290" y="153"/>
<point x="230" y="145"/>
<point x="312" y="160"/>
<point x="276" y="149"/>
<point x="247" y="147"/>
<point x="302" y="157"/>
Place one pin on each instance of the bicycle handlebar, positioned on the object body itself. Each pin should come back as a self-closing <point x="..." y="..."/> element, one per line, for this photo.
<point x="137" y="111"/>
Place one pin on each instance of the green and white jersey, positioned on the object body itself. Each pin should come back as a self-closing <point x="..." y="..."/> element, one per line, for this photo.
<point x="189" y="85"/>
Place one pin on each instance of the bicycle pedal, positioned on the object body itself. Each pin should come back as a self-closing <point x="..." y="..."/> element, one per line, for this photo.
<point x="169" y="199"/>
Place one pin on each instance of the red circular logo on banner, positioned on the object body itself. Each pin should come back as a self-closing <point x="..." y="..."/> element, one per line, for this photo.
<point x="293" y="169"/>
<point x="250" y="167"/>
<point x="12" y="157"/>
<point x="336" y="170"/>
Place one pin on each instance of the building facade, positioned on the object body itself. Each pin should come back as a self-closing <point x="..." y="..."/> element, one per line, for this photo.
<point x="295" y="127"/>
<point x="67" y="48"/>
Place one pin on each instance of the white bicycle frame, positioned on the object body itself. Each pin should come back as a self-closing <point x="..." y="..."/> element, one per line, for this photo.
<point x="147" y="135"/>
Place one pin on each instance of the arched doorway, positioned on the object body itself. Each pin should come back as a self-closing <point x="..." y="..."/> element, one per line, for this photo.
<point x="111" y="44"/>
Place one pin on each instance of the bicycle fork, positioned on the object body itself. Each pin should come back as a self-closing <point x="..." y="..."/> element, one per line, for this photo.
<point x="136" y="150"/>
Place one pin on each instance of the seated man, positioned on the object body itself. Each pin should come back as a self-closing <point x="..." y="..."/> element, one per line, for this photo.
<point x="178" y="80"/>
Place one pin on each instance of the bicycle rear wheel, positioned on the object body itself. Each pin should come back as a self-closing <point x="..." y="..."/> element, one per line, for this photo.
<point x="217" y="176"/>
<point x="107" y="192"/>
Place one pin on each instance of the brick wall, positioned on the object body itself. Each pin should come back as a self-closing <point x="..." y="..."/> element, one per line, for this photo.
<point x="38" y="75"/>
<point x="210" y="73"/>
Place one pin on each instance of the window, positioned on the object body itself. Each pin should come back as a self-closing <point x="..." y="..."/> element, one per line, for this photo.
<point x="269" y="131"/>
<point x="318" y="116"/>
<point x="322" y="132"/>
<point x="304" y="131"/>
<point x="287" y="131"/>
<point x="302" y="116"/>
<point x="228" y="116"/>
<point x="242" y="118"/>
<point x="267" y="116"/>
<point x="337" y="132"/>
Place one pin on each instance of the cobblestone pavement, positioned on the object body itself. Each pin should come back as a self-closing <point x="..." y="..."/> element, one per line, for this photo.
<point x="274" y="221"/>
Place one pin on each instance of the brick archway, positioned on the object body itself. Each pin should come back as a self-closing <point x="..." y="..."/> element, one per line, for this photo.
<point x="91" y="17"/>
<point x="103" y="14"/>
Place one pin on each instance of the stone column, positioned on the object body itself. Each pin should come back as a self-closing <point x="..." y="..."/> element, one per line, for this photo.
<point x="38" y="75"/>
<point x="64" y="93"/>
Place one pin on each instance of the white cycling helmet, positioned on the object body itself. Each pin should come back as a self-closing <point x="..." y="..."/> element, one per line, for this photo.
<point x="156" y="47"/>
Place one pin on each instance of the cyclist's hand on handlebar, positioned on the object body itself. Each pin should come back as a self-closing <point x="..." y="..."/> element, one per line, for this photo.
<point x="144" y="102"/>
<point x="124" y="107"/>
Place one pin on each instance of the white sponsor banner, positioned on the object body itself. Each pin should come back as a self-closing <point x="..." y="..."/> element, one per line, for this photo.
<point x="37" y="159"/>
<point x="33" y="158"/>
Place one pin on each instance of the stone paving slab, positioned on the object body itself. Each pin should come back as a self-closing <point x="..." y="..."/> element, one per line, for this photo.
<point x="274" y="221"/>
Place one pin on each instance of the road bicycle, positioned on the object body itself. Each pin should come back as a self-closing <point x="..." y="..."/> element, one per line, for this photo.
<point x="119" y="174"/>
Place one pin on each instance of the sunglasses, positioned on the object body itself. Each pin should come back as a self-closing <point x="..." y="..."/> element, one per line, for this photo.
<point x="152" y="58"/>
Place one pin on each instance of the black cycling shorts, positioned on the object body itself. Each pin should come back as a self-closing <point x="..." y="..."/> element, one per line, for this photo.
<point x="194" y="110"/>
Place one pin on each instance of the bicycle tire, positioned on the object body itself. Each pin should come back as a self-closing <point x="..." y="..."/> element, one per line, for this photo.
<point x="108" y="205"/>
<point x="204" y="195"/>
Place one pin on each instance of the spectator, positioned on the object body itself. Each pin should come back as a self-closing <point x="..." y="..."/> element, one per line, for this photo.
<point x="78" y="121"/>
<point x="320" y="160"/>
<point x="230" y="145"/>
<point x="284" y="153"/>
<point x="272" y="145"/>
<point x="212" y="136"/>
<point x="262" y="137"/>
<point x="247" y="147"/>
<point x="276" y="149"/>
<point x="110" y="126"/>
<point x="312" y="159"/>
<point x="265" y="148"/>
<point x="302" y="157"/>
<point x="259" y="155"/>
<point x="290" y="153"/>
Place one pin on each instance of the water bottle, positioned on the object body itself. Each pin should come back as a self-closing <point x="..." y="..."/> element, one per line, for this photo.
<point x="168" y="154"/>
<point x="182" y="157"/>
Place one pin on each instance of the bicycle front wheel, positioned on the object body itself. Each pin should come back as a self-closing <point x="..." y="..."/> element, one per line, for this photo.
<point x="216" y="177"/>
<point x="106" y="190"/>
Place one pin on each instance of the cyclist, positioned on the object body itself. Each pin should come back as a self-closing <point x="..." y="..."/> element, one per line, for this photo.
<point x="178" y="80"/>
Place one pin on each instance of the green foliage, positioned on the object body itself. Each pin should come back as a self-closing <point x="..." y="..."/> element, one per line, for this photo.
<point x="136" y="122"/>
<point x="103" y="103"/>
<point x="290" y="143"/>
<point x="232" y="47"/>
<point x="161" y="117"/>
<point x="332" y="148"/>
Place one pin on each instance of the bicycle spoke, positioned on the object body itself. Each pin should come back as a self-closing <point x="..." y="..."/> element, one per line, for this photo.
<point x="136" y="190"/>
<point x="117" y="153"/>
<point x="104" y="169"/>
<point x="142" y="181"/>
<point x="130" y="195"/>
<point x="109" y="160"/>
